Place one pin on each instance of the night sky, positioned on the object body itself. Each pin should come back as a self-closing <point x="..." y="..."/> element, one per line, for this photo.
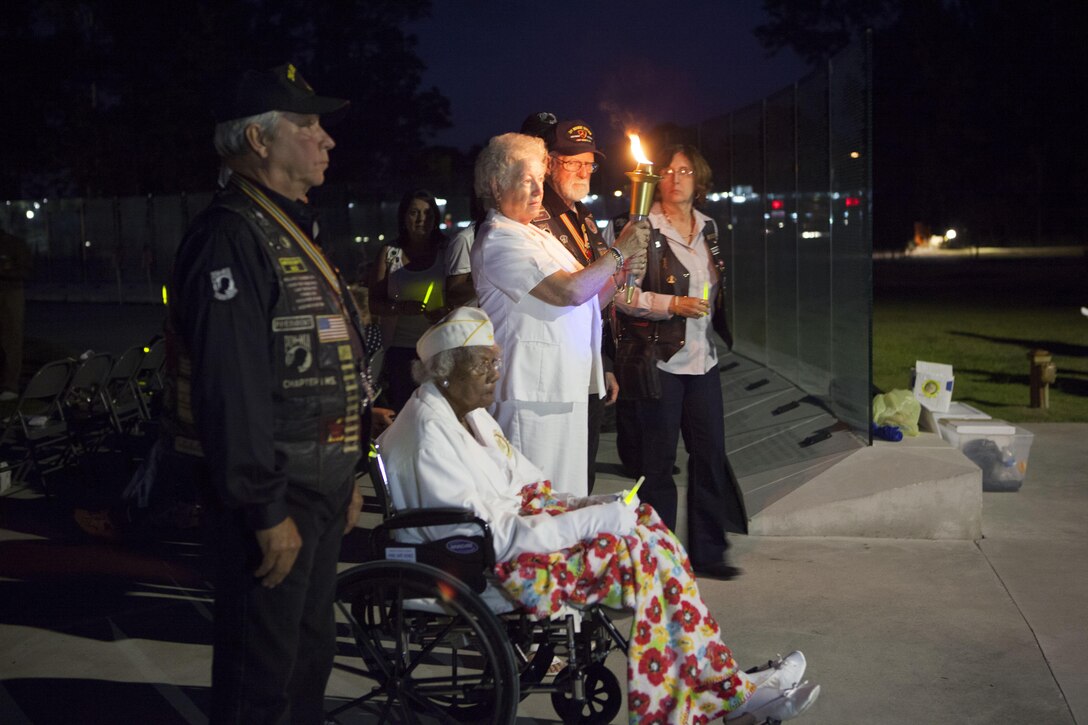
<point x="613" y="64"/>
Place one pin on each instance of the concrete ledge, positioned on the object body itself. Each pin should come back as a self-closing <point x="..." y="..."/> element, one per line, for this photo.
<point x="921" y="488"/>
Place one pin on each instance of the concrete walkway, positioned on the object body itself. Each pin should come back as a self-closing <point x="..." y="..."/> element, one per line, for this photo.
<point x="895" y="630"/>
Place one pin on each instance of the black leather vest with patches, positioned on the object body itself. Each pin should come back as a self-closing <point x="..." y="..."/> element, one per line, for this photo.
<point x="316" y="395"/>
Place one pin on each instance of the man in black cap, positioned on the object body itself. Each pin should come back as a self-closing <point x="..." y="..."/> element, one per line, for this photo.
<point x="264" y="399"/>
<point x="572" y="159"/>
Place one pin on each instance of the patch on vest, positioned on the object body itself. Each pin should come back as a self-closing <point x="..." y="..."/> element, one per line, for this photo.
<point x="298" y="353"/>
<point x="331" y="328"/>
<point x="292" y="265"/>
<point x="223" y="284"/>
<point x="293" y="323"/>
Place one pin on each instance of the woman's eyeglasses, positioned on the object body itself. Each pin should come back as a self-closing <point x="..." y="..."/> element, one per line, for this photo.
<point x="485" y="366"/>
<point x="682" y="171"/>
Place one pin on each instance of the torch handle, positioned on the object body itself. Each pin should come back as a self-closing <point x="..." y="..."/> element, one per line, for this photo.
<point x="631" y="277"/>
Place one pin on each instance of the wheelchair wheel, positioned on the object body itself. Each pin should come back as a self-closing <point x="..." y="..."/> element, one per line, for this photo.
<point x="603" y="697"/>
<point x="421" y="647"/>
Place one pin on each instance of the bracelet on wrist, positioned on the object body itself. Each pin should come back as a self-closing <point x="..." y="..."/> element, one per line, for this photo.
<point x="619" y="257"/>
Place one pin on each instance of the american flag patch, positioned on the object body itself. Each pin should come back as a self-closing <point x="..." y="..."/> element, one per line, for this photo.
<point x="331" y="328"/>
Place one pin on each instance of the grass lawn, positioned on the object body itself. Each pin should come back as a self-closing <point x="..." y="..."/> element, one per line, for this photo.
<point x="987" y="343"/>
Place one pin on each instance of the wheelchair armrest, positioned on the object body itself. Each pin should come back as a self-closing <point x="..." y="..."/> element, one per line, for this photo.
<point x="418" y="518"/>
<point x="446" y="516"/>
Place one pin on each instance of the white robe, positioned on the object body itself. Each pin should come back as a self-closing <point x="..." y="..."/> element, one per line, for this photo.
<point x="432" y="460"/>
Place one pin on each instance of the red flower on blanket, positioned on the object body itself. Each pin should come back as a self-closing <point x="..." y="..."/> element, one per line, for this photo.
<point x="643" y="633"/>
<point x="561" y="573"/>
<point x="719" y="656"/>
<point x="689" y="671"/>
<point x="657" y="717"/>
<point x="688" y="617"/>
<point x="604" y="545"/>
<point x="638" y="701"/>
<point x="649" y="563"/>
<point x="654" y="611"/>
<point x="654" y="664"/>
<point x="673" y="589"/>
<point x="530" y="564"/>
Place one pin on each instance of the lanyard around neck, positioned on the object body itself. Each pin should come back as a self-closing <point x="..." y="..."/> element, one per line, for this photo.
<point x="301" y="238"/>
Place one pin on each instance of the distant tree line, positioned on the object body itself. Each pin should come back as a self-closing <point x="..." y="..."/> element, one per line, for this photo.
<point x="979" y="110"/>
<point x="105" y="98"/>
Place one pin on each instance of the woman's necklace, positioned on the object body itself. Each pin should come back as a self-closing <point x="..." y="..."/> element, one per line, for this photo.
<point x="691" y="224"/>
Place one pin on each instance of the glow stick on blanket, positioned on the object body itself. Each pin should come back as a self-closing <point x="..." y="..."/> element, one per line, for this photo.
<point x="630" y="497"/>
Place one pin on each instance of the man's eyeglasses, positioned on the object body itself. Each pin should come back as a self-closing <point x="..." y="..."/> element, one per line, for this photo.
<point x="485" y="366"/>
<point x="576" y="166"/>
<point x="682" y="171"/>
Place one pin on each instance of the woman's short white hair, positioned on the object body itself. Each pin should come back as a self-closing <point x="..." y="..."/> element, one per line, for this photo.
<point x="230" y="136"/>
<point x="441" y="365"/>
<point x="499" y="161"/>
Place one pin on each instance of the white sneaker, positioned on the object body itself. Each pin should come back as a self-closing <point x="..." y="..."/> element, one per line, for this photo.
<point x="782" y="673"/>
<point x="774" y="705"/>
<point x="7" y="395"/>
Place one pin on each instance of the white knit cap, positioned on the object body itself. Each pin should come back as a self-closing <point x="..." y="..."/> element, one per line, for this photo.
<point x="463" y="327"/>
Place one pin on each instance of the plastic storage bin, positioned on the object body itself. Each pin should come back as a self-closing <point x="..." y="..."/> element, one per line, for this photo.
<point x="1003" y="457"/>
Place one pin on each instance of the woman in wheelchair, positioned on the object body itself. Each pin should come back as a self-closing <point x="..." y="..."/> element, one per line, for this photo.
<point x="555" y="550"/>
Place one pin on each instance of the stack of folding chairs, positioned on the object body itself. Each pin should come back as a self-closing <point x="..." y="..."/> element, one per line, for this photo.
<point x="74" y="408"/>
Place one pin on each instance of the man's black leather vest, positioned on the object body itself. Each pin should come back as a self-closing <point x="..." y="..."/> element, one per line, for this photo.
<point x="316" y="397"/>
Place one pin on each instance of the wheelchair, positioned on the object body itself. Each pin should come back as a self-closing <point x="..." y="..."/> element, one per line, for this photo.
<point x="424" y="639"/>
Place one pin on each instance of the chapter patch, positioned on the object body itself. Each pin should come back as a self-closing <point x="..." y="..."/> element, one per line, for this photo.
<point x="223" y="284"/>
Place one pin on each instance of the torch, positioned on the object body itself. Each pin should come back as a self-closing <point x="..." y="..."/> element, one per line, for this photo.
<point x="643" y="180"/>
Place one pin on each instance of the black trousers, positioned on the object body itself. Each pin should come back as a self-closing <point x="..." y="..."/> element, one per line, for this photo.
<point x="273" y="648"/>
<point x="691" y="405"/>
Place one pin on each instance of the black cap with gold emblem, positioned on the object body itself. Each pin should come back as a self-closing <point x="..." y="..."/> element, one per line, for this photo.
<point x="280" y="89"/>
<point x="573" y="138"/>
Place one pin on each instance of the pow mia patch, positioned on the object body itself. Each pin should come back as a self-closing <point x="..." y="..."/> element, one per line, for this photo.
<point x="223" y="284"/>
<point x="298" y="352"/>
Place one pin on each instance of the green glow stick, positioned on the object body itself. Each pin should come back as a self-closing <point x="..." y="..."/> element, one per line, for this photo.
<point x="631" y="495"/>
<point x="427" y="297"/>
<point x="706" y="290"/>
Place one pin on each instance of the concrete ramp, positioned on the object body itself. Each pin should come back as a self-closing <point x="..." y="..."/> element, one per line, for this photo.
<point x="804" y="473"/>
<point x="920" y="488"/>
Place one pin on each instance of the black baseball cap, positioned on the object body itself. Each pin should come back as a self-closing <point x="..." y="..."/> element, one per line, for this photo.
<point x="542" y="125"/>
<point x="573" y="138"/>
<point x="280" y="89"/>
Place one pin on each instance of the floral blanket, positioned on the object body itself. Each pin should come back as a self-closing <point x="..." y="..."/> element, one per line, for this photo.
<point x="678" y="669"/>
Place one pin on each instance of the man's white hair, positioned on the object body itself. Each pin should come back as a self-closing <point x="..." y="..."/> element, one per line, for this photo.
<point x="230" y="136"/>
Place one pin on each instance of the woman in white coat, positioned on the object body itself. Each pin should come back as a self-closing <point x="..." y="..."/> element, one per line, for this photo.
<point x="546" y="307"/>
<point x="556" y="550"/>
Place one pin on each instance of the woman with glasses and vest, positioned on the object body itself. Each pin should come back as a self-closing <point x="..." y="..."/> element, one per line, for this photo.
<point x="667" y="361"/>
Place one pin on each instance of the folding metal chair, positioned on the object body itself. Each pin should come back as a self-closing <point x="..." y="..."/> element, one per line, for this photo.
<point x="148" y="379"/>
<point x="122" y="393"/>
<point x="87" y="406"/>
<point x="36" y="437"/>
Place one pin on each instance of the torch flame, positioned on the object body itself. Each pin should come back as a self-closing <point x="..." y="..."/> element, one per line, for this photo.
<point x="636" y="149"/>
